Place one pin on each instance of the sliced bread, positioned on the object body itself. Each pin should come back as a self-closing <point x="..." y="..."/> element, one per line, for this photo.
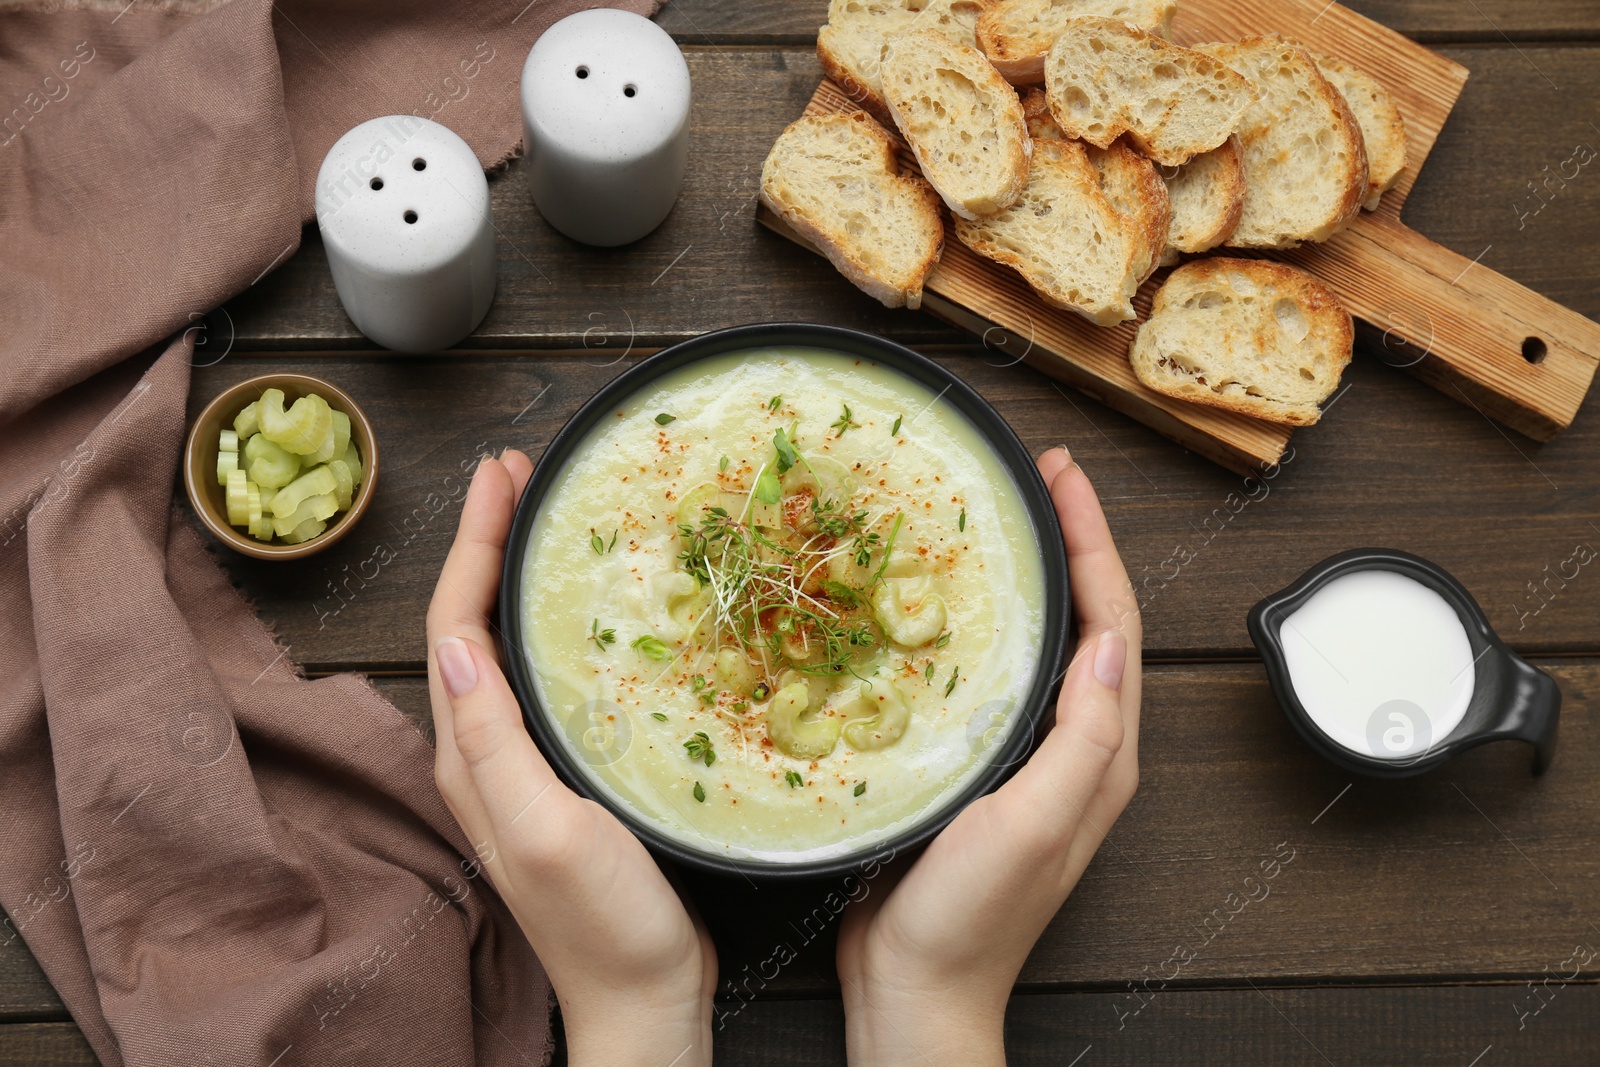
<point x="963" y="121"/>
<point x="1104" y="78"/>
<point x="1130" y="181"/>
<point x="1382" y="128"/>
<point x="852" y="43"/>
<point x="835" y="180"/>
<point x="1247" y="335"/>
<point x="1016" y="35"/>
<point x="1207" y="196"/>
<point x="1136" y="190"/>
<point x="1065" y="237"/>
<point x="1305" y="161"/>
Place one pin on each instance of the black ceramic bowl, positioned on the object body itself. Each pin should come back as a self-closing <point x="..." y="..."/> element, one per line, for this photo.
<point x="999" y="759"/>
<point x="1511" y="699"/>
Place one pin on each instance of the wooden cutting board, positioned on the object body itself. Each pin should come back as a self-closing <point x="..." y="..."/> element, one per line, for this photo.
<point x="1478" y="337"/>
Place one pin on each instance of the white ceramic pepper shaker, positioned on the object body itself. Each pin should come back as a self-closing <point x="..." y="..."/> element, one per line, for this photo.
<point x="605" y="118"/>
<point x="403" y="207"/>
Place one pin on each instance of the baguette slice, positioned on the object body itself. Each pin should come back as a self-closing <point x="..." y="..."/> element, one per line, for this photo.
<point x="1134" y="187"/>
<point x="1246" y="335"/>
<point x="963" y="121"/>
<point x="1065" y="237"/>
<point x="852" y="44"/>
<point x="1104" y="78"/>
<point x="1130" y="181"/>
<point x="1207" y="196"/>
<point x="1016" y="35"/>
<point x="836" y="180"/>
<point x="1382" y="128"/>
<point x="1305" y="160"/>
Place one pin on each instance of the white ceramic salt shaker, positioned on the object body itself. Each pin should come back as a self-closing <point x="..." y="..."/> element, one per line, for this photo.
<point x="403" y="207"/>
<point x="605" y="117"/>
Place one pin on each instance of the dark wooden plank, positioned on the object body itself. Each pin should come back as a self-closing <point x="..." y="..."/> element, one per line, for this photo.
<point x="1392" y="464"/>
<point x="1477" y="872"/>
<point x="1314" y="1027"/>
<point x="25" y="992"/>
<point x="44" y="1045"/>
<point x="710" y="265"/>
<point x="1442" y="1024"/>
<point x="796" y="21"/>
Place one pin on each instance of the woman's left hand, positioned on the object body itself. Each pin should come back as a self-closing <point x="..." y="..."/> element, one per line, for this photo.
<point x="633" y="969"/>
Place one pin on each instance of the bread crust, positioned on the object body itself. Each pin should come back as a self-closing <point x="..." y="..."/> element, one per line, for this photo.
<point x="1135" y="188"/>
<point x="1353" y="179"/>
<point x="1383" y="129"/>
<point x="1329" y="326"/>
<point x="835" y="245"/>
<point x="1227" y="208"/>
<point x="836" y="71"/>
<point x="1011" y="129"/>
<point x="1003" y="33"/>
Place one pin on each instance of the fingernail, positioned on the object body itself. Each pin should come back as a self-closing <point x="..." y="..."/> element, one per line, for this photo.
<point x="1110" y="656"/>
<point x="456" y="669"/>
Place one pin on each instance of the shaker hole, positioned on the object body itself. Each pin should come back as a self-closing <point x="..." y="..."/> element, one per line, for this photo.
<point x="583" y="72"/>
<point x="376" y="183"/>
<point x="410" y="217"/>
<point x="419" y="164"/>
<point x="628" y="90"/>
<point x="1534" y="350"/>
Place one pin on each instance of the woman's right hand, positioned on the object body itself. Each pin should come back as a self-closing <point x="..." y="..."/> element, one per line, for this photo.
<point x="633" y="970"/>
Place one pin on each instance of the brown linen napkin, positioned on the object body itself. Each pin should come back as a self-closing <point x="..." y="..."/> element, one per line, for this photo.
<point x="214" y="860"/>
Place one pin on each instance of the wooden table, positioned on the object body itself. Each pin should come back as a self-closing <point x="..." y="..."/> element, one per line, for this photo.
<point x="1417" y="922"/>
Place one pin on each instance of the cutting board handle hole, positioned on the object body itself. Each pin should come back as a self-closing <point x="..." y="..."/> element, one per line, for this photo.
<point x="1534" y="350"/>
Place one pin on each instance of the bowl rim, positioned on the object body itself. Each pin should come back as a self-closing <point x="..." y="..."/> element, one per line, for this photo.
<point x="249" y="546"/>
<point x="1002" y="759"/>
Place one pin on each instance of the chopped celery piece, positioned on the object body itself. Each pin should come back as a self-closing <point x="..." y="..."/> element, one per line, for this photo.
<point x="345" y="485"/>
<point x="303" y="429"/>
<point x="247" y="423"/>
<point x="321" y="455"/>
<point x="229" y="441"/>
<point x="262" y="530"/>
<point x="319" y="507"/>
<point x="227" y="463"/>
<point x="341" y="433"/>
<point x="253" y="508"/>
<point x="304" y="532"/>
<point x="237" y="497"/>
<point x="316" y="482"/>
<point x="352" y="459"/>
<point x="269" y="466"/>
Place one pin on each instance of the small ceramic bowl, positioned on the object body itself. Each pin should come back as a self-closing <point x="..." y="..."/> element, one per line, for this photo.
<point x="200" y="463"/>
